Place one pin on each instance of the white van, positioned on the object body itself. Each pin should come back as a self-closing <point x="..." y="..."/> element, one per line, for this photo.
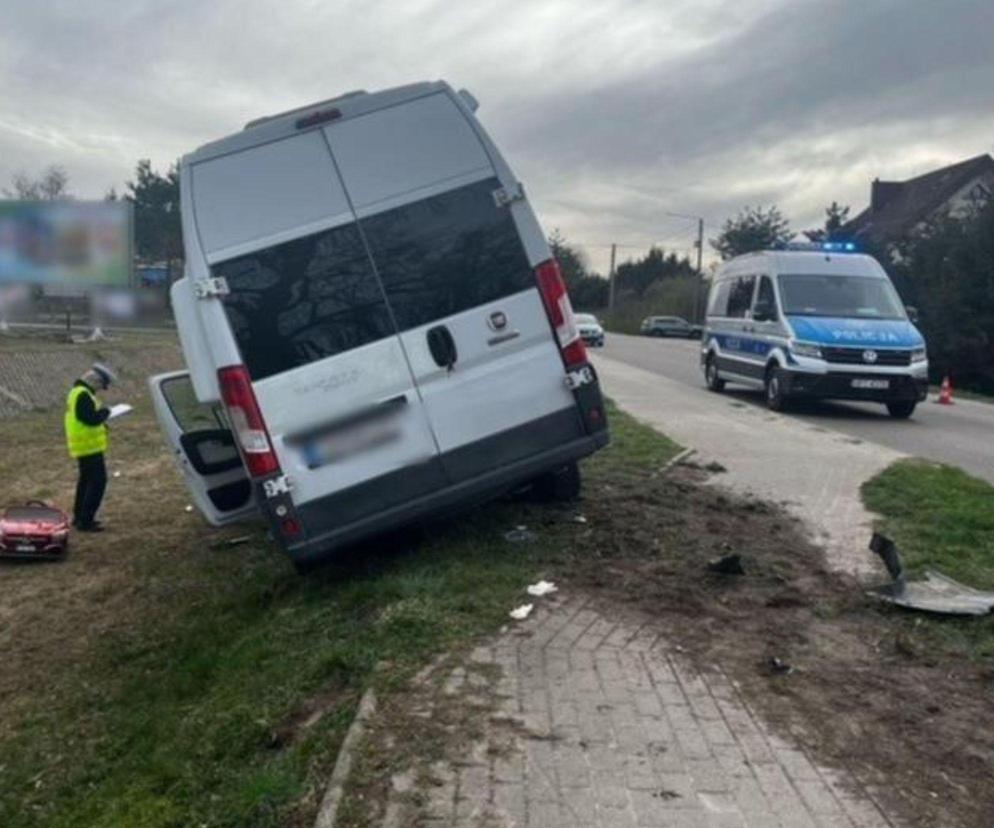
<point x="374" y="326"/>
<point x="813" y="320"/>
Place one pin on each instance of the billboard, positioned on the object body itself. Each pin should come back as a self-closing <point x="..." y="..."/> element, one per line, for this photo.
<point x="67" y="245"/>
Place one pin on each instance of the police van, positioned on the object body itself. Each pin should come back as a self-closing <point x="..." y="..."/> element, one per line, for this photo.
<point x="373" y="324"/>
<point x="813" y="320"/>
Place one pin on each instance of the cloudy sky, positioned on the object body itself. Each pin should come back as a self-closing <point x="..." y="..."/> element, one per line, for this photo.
<point x="614" y="113"/>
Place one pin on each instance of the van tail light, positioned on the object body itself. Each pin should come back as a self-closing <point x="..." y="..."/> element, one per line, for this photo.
<point x="246" y="420"/>
<point x="560" y="312"/>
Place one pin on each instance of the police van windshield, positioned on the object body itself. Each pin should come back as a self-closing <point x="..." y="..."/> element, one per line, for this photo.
<point x="860" y="297"/>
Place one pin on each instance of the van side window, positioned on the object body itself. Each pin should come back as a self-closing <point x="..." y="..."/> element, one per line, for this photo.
<point x="447" y="253"/>
<point x="766" y="299"/>
<point x="740" y="296"/>
<point x="303" y="300"/>
<point x="718" y="306"/>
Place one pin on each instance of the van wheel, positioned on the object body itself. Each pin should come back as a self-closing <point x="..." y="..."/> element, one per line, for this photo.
<point x="711" y="378"/>
<point x="558" y="486"/>
<point x="901" y="410"/>
<point x="776" y="397"/>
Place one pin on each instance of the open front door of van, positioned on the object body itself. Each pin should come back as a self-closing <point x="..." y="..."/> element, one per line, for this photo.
<point x="204" y="448"/>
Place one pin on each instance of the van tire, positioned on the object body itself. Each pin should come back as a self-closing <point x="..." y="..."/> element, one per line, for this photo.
<point x="711" y="379"/>
<point x="558" y="486"/>
<point x="902" y="409"/>
<point x="776" y="398"/>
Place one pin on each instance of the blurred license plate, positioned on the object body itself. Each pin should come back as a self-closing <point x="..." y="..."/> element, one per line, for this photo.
<point x="24" y="547"/>
<point x="339" y="446"/>
<point x="877" y="384"/>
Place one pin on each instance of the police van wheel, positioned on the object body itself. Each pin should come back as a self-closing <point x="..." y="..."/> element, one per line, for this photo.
<point x="901" y="410"/>
<point x="711" y="378"/>
<point x="776" y="398"/>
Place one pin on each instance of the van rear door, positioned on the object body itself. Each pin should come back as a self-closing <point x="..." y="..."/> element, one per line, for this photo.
<point x="312" y="327"/>
<point x="448" y="252"/>
<point x="204" y="449"/>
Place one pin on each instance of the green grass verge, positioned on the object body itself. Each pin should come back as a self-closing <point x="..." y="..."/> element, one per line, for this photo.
<point x="941" y="518"/>
<point x="226" y="705"/>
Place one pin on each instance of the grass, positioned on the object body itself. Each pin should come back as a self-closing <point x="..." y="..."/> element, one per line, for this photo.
<point x="941" y="518"/>
<point x="177" y="683"/>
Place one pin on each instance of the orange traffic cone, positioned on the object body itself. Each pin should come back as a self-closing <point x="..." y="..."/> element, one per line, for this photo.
<point x="945" y="392"/>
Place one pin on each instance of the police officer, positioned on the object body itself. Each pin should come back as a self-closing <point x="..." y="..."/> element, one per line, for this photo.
<point x="86" y="437"/>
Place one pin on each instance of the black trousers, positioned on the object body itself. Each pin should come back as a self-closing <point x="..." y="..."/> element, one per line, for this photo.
<point x="89" y="489"/>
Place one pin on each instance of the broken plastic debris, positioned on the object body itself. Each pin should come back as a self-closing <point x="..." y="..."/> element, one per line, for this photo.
<point x="542" y="588"/>
<point x="781" y="668"/>
<point x="228" y="542"/>
<point x="579" y="519"/>
<point x="936" y="593"/>
<point x="727" y="565"/>
<point x="522" y="612"/>
<point x="519" y="534"/>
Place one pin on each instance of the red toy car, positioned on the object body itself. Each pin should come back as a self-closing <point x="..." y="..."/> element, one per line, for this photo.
<point x="34" y="530"/>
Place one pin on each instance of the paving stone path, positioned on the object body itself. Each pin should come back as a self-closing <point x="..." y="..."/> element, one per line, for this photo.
<point x="590" y="720"/>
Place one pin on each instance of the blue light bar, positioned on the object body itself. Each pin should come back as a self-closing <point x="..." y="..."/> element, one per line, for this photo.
<point x="823" y="247"/>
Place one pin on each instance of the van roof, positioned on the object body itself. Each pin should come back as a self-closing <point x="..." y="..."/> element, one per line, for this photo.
<point x="803" y="261"/>
<point x="283" y="124"/>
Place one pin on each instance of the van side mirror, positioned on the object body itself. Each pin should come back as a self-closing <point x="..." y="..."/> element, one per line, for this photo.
<point x="764" y="312"/>
<point x="912" y="312"/>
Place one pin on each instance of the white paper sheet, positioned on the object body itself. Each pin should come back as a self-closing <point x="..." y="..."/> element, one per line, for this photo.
<point x="119" y="410"/>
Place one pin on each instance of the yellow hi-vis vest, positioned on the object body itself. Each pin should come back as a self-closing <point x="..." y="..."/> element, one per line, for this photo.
<point x="82" y="439"/>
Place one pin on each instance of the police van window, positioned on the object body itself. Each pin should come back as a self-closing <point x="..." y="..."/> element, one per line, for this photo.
<point x="740" y="296"/>
<point x="766" y="299"/>
<point x="303" y="300"/>
<point x="718" y="306"/>
<point x="447" y="253"/>
<point x="860" y="297"/>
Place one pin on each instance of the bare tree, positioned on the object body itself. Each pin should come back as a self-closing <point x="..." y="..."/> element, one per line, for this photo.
<point x="51" y="185"/>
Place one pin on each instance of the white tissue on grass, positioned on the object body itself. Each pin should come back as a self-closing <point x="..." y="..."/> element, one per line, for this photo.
<point x="117" y="474"/>
<point x="522" y="612"/>
<point x="188" y="508"/>
<point x="542" y="588"/>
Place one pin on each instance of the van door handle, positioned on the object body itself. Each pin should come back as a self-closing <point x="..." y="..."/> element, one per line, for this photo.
<point x="442" y="347"/>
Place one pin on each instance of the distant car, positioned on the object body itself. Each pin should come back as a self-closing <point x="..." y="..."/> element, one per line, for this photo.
<point x="670" y="326"/>
<point x="590" y="329"/>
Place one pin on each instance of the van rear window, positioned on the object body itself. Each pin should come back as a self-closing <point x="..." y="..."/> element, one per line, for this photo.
<point x="303" y="300"/>
<point x="447" y="253"/>
<point x="317" y="296"/>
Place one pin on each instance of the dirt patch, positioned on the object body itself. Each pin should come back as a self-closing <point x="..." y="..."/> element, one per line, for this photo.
<point x="856" y="683"/>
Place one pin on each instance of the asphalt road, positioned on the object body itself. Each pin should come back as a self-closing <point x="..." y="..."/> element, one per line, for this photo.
<point x="960" y="435"/>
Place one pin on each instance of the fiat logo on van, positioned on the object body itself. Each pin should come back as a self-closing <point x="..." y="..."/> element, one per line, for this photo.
<point x="870" y="356"/>
<point x="497" y="321"/>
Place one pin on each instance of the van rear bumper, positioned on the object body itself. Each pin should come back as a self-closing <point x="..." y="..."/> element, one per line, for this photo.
<point x="476" y="490"/>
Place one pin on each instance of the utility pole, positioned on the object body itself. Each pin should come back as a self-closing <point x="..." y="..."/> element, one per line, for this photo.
<point x="610" y="295"/>
<point x="700" y="274"/>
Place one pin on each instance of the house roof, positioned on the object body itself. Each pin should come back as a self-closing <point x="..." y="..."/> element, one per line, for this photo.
<point x="908" y="203"/>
